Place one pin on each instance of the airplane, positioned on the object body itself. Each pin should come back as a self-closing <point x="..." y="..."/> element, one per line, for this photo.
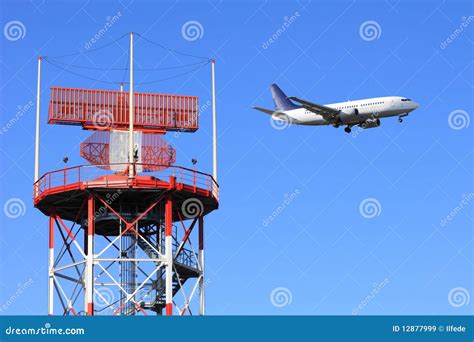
<point x="363" y="113"/>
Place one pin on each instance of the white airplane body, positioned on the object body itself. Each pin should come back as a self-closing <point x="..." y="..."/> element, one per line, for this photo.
<point x="364" y="113"/>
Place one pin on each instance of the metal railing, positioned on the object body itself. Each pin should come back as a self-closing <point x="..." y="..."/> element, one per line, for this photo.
<point x="69" y="177"/>
<point x="186" y="257"/>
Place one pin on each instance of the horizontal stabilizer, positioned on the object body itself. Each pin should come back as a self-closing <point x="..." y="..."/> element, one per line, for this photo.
<point x="280" y="116"/>
<point x="266" y="111"/>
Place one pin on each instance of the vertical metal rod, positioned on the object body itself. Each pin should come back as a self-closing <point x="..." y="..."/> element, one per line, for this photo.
<point x="37" y="134"/>
<point x="169" y="254"/>
<point x="214" y="129"/>
<point x="90" y="257"/>
<point x="131" y="110"/>
<point x="120" y="104"/>
<point x="51" y="267"/>
<point x="121" y="276"/>
<point x="202" y="307"/>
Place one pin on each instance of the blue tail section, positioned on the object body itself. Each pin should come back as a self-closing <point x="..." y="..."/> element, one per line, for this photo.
<point x="280" y="99"/>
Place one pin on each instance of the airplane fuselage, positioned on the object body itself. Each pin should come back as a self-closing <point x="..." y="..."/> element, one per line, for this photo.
<point x="356" y="112"/>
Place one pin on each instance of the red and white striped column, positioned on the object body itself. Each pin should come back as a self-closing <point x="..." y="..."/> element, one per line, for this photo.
<point x="89" y="293"/>
<point x="51" y="267"/>
<point x="201" y="263"/>
<point x="169" y="254"/>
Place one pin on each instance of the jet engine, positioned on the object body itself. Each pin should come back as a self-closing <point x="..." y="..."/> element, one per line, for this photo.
<point x="348" y="116"/>
<point x="352" y="112"/>
<point x="370" y="123"/>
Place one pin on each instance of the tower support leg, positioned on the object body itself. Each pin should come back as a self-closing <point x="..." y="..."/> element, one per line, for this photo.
<point x="169" y="254"/>
<point x="51" y="267"/>
<point x="201" y="264"/>
<point x="89" y="281"/>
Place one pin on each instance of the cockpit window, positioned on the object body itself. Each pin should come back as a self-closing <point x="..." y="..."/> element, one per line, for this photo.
<point x="406" y="100"/>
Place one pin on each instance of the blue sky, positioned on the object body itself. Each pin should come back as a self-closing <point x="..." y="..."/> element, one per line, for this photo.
<point x="318" y="253"/>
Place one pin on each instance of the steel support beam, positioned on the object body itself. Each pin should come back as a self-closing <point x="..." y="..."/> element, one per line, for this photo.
<point x="169" y="254"/>
<point x="89" y="249"/>
<point x="202" y="307"/>
<point x="51" y="267"/>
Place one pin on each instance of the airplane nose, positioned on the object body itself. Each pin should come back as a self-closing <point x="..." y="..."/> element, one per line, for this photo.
<point x="416" y="105"/>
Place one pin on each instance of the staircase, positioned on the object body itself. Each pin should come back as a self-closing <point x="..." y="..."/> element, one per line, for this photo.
<point x="185" y="266"/>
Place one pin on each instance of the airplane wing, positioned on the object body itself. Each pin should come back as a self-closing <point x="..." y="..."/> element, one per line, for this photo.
<point x="326" y="112"/>
<point x="277" y="115"/>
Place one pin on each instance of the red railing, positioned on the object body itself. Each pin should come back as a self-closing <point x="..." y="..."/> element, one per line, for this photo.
<point x="109" y="109"/>
<point x="70" y="177"/>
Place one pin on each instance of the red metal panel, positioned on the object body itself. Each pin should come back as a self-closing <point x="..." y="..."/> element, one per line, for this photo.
<point x="153" y="112"/>
<point x="156" y="154"/>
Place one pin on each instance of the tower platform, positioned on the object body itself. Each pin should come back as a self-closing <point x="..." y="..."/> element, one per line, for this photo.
<point x="143" y="260"/>
<point x="65" y="191"/>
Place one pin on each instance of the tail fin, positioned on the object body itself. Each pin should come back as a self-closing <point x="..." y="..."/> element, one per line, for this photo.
<point x="282" y="103"/>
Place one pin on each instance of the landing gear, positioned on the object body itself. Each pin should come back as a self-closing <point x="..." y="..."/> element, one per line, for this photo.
<point x="400" y="119"/>
<point x="347" y="129"/>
